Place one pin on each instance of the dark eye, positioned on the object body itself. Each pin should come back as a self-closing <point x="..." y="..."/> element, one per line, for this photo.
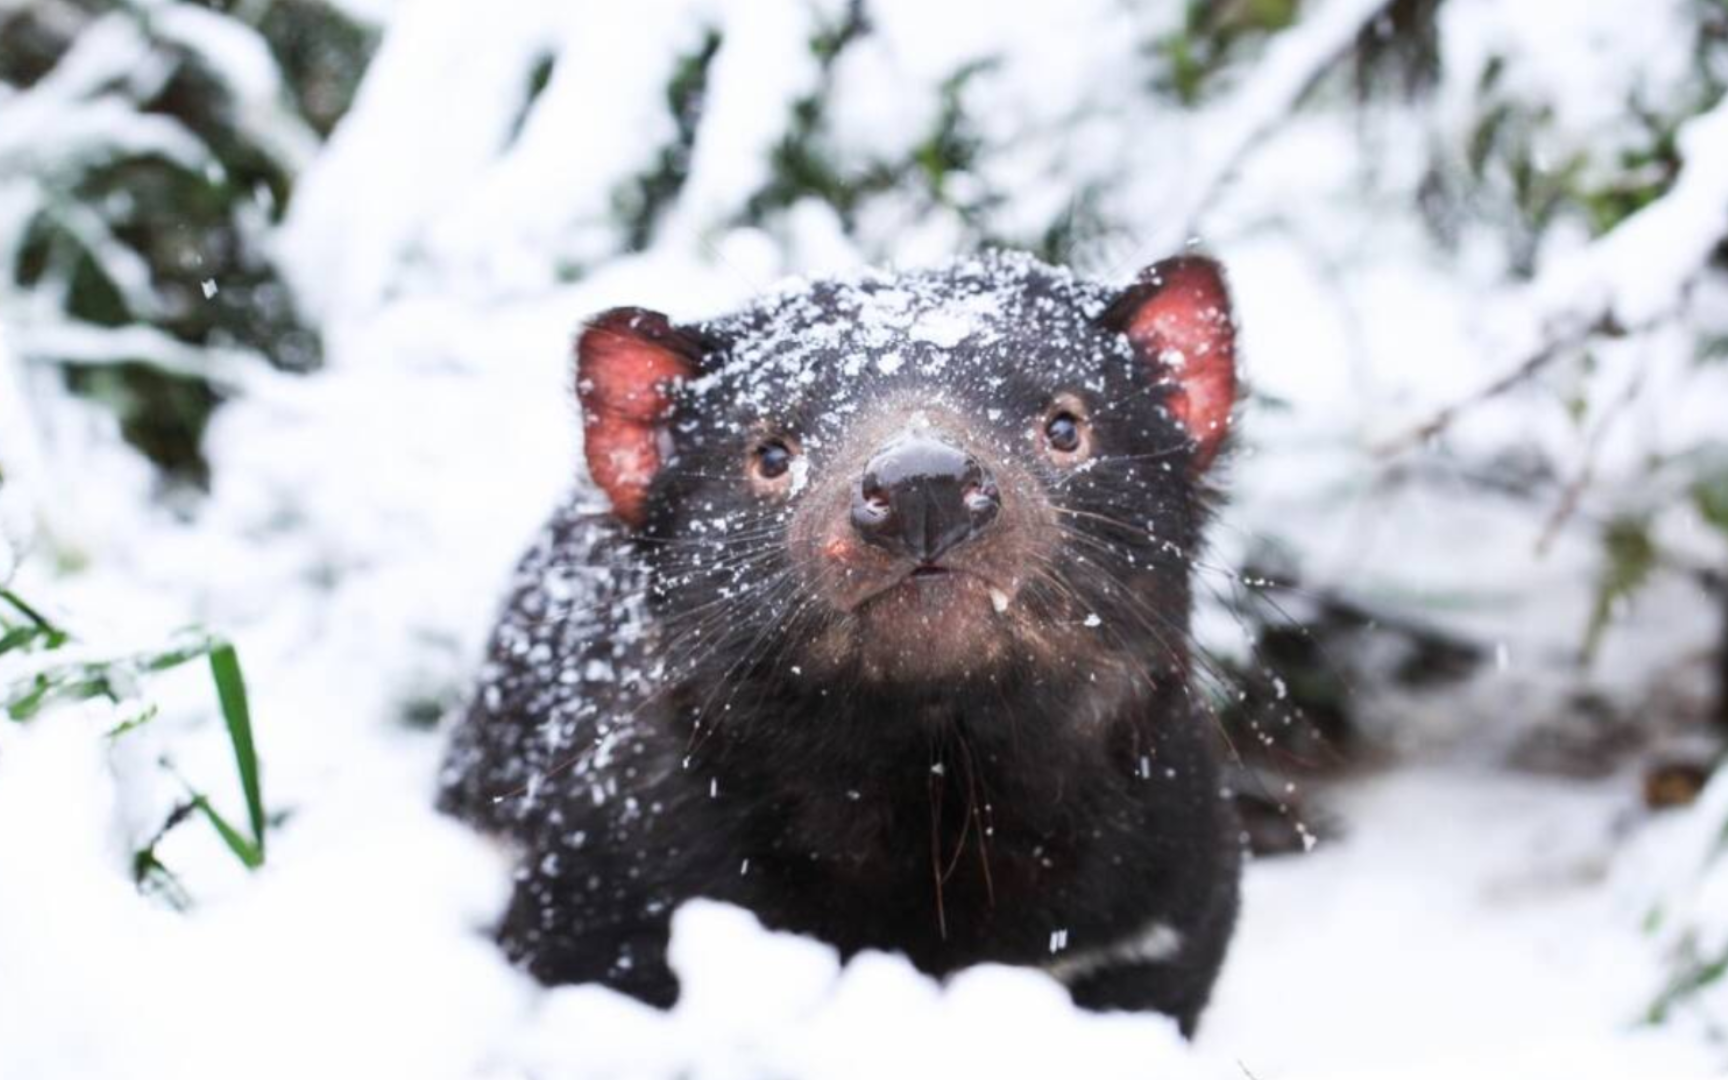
<point x="1063" y="433"/>
<point x="773" y="458"/>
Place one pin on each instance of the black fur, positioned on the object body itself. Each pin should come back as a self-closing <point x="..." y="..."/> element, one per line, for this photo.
<point x="651" y="726"/>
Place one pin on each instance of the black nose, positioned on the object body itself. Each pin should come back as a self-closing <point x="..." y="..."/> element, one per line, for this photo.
<point x="920" y="496"/>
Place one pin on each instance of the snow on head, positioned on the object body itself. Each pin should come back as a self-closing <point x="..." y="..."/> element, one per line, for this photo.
<point x="888" y="325"/>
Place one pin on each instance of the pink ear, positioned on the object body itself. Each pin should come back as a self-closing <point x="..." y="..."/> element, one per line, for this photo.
<point x="1178" y="317"/>
<point x="626" y="362"/>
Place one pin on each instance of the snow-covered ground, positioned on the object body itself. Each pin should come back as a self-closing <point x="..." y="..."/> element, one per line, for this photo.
<point x="1469" y="924"/>
<point x="362" y="521"/>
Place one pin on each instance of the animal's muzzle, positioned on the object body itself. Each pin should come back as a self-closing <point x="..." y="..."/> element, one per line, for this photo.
<point x="921" y="497"/>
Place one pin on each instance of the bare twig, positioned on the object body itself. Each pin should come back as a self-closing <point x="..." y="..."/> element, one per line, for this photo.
<point x="1559" y="345"/>
<point x="1627" y="281"/>
<point x="1573" y="492"/>
<point x="1234" y="128"/>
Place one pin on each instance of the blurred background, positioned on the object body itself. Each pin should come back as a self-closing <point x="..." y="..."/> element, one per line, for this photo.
<point x="286" y="295"/>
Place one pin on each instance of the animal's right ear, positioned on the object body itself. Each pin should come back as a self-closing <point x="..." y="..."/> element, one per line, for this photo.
<point x="627" y="362"/>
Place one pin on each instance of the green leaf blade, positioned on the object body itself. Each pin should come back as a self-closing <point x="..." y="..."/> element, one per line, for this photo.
<point x="231" y="691"/>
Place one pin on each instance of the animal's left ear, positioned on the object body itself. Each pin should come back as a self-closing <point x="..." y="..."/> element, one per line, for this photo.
<point x="627" y="362"/>
<point x="1177" y="315"/>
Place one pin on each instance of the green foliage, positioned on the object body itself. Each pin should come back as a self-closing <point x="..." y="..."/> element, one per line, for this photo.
<point x="322" y="53"/>
<point x="1080" y="222"/>
<point x="801" y="166"/>
<point x="237" y="715"/>
<point x="539" y="77"/>
<point x="1695" y="966"/>
<point x="162" y="413"/>
<point x="951" y="146"/>
<point x="1642" y="175"/>
<point x="49" y="680"/>
<point x="34" y="632"/>
<point x="1695" y="972"/>
<point x="1709" y="494"/>
<point x="1629" y="556"/>
<point x="640" y="203"/>
<point x="1517" y="181"/>
<point x="1214" y="35"/>
<point x="1511" y="180"/>
<point x="804" y="167"/>
<point x="164" y="227"/>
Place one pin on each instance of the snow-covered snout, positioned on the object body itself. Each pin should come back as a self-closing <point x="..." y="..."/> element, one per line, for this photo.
<point x="918" y="479"/>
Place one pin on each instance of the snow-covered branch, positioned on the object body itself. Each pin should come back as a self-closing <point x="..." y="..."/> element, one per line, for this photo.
<point x="229" y="370"/>
<point x="1627" y="281"/>
<point x="1228" y="132"/>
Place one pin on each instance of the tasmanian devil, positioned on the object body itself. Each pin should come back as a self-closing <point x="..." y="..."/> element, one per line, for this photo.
<point x="880" y="633"/>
